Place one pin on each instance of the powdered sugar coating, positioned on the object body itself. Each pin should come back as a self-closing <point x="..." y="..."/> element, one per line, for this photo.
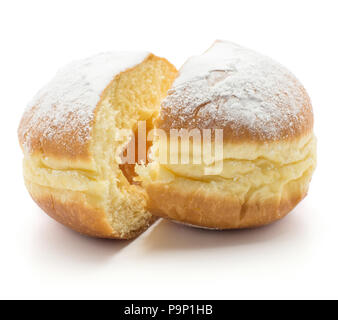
<point x="62" y="112"/>
<point x="233" y="88"/>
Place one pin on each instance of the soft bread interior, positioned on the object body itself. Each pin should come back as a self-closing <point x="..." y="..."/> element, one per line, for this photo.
<point x="134" y="95"/>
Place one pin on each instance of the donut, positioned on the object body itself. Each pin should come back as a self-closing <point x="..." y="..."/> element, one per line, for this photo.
<point x="259" y="119"/>
<point x="70" y="135"/>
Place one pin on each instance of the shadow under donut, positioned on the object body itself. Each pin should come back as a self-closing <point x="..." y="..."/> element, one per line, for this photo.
<point x="167" y="235"/>
<point x="54" y="241"/>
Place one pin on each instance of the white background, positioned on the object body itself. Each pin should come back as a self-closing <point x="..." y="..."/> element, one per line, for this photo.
<point x="294" y="258"/>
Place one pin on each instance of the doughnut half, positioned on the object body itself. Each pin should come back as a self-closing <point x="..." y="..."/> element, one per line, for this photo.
<point x="269" y="150"/>
<point x="70" y="136"/>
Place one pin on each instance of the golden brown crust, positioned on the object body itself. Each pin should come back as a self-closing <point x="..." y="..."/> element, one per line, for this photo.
<point x="215" y="211"/>
<point x="246" y="193"/>
<point x="247" y="95"/>
<point x="74" y="212"/>
<point x="239" y="133"/>
<point x="70" y="144"/>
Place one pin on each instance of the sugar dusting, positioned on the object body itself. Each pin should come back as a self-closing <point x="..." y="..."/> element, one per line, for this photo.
<point x="68" y="101"/>
<point x="231" y="86"/>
